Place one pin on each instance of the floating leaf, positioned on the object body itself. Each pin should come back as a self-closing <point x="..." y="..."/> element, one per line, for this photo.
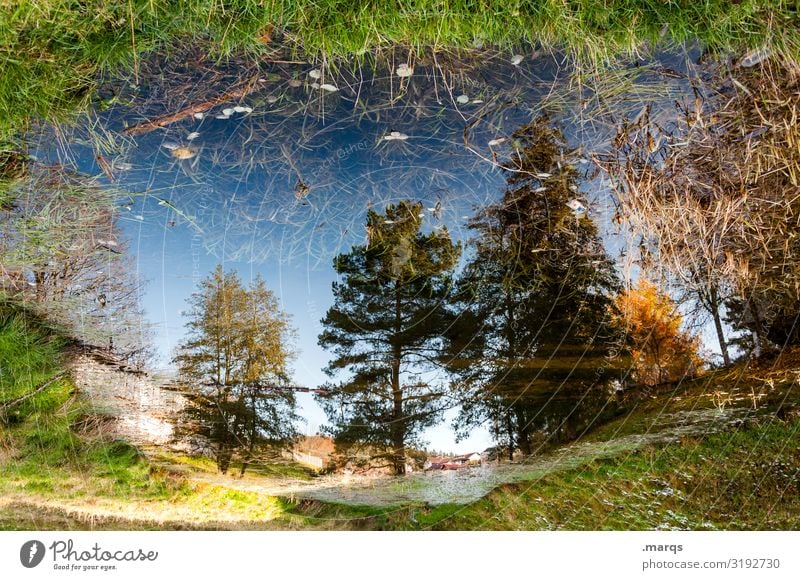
<point x="329" y="88"/>
<point x="242" y="109"/>
<point x="294" y="83"/>
<point x="498" y="141"/>
<point x="755" y="57"/>
<point x="228" y="112"/>
<point x="170" y="145"/>
<point x="463" y="99"/>
<point x="436" y="210"/>
<point x="576" y="205"/>
<point x="404" y="71"/>
<point x="183" y="153"/>
<point x="199" y="115"/>
<point x="395" y="136"/>
<point x="192" y="136"/>
<point x="314" y="73"/>
<point x="517" y="59"/>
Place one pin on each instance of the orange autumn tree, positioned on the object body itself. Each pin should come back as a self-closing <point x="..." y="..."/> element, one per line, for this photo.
<point x="661" y="350"/>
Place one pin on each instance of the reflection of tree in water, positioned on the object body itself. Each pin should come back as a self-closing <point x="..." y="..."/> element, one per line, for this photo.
<point x="532" y="346"/>
<point x="383" y="330"/>
<point x="716" y="206"/>
<point x="61" y="251"/>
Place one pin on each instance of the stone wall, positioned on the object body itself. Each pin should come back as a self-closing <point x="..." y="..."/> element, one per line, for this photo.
<point x="141" y="404"/>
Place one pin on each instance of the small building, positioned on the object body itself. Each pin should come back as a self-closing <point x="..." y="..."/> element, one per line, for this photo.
<point x="313" y="451"/>
<point x="435" y="463"/>
<point x="468" y="459"/>
<point x="474" y="458"/>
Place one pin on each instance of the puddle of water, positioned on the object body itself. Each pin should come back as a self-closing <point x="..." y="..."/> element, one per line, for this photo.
<point x="280" y="181"/>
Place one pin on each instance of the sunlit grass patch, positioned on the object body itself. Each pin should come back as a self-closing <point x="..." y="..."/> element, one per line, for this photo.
<point x="30" y="353"/>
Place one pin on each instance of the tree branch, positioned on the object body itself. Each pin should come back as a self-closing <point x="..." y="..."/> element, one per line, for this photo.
<point x="36" y="391"/>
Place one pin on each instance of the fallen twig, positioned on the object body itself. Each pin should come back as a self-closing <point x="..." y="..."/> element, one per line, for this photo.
<point x="238" y="92"/>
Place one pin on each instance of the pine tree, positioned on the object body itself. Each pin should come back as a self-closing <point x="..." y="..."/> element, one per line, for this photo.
<point x="531" y="346"/>
<point x="235" y="359"/>
<point x="385" y="330"/>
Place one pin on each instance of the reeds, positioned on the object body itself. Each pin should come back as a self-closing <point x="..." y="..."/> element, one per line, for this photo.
<point x="714" y="195"/>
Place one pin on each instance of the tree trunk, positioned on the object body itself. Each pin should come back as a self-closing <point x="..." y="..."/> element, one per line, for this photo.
<point x="253" y="434"/>
<point x="723" y="345"/>
<point x="568" y="431"/>
<point x="397" y="427"/>
<point x="758" y="331"/>
<point x="510" y="429"/>
<point x="523" y="433"/>
<point x="223" y="457"/>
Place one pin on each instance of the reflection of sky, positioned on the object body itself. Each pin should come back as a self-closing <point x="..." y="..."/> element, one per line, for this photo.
<point x="234" y="203"/>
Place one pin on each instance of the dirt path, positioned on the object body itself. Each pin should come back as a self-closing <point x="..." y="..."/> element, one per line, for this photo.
<point x="467" y="485"/>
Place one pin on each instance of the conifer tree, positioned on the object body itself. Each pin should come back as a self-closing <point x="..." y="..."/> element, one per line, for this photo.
<point x="236" y="361"/>
<point x="532" y="343"/>
<point x="385" y="331"/>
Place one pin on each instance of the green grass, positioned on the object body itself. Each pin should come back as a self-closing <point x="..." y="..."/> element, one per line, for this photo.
<point x="43" y="448"/>
<point x="747" y="480"/>
<point x="743" y="480"/>
<point x="30" y="353"/>
<point x="53" y="51"/>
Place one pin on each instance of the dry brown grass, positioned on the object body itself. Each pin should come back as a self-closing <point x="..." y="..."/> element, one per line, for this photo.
<point x="716" y="193"/>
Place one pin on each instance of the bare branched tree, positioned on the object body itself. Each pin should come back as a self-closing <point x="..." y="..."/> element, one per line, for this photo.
<point x="715" y="196"/>
<point x="62" y="252"/>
